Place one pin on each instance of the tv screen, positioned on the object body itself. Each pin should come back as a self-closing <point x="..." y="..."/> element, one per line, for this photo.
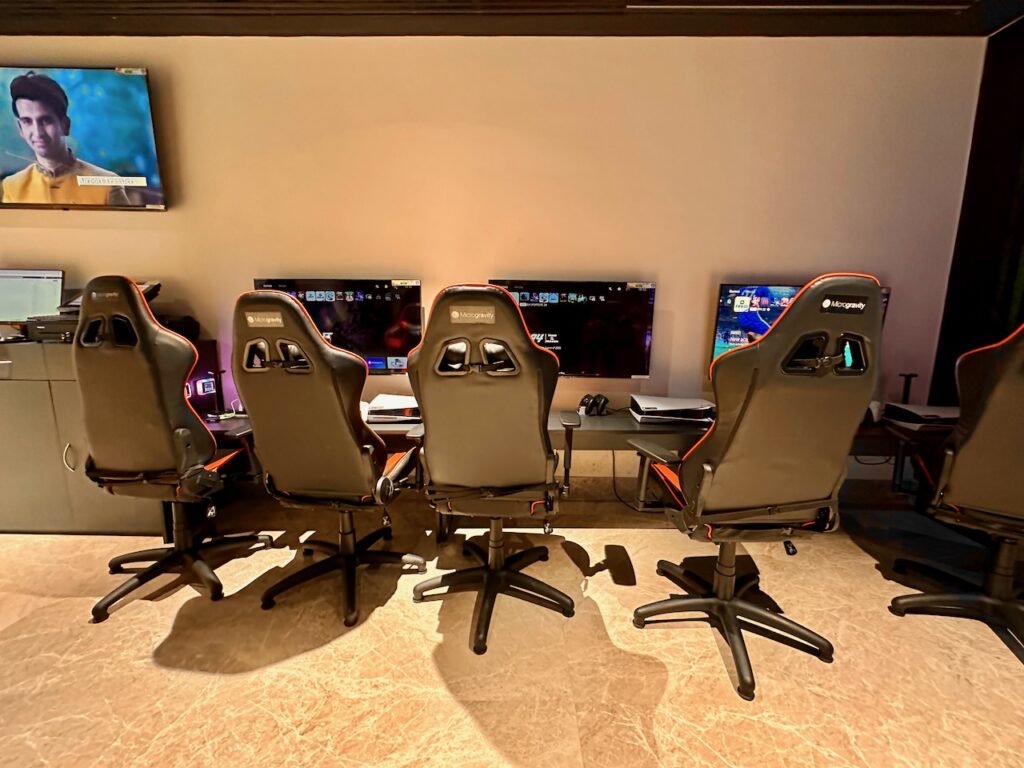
<point x="77" y="138"/>
<point x="746" y="312"/>
<point x="597" y="328"/>
<point x="26" y="293"/>
<point x="380" y="320"/>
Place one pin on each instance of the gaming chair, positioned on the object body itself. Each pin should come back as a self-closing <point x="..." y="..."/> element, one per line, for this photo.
<point x="302" y="395"/>
<point x="484" y="390"/>
<point x="144" y="438"/>
<point x="978" y="487"/>
<point x="770" y="466"/>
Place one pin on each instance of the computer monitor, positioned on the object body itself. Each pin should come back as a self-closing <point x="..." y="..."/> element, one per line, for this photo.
<point x="379" y="319"/>
<point x="26" y="293"/>
<point x="746" y="311"/>
<point x="596" y="327"/>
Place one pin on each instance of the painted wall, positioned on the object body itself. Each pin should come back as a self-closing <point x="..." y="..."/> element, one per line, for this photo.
<point x="686" y="161"/>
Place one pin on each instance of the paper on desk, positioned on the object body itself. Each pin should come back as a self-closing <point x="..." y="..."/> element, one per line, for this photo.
<point x="385" y="402"/>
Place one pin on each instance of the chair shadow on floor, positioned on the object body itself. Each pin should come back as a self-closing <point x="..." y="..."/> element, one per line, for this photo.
<point x="918" y="552"/>
<point x="235" y="635"/>
<point x="550" y="689"/>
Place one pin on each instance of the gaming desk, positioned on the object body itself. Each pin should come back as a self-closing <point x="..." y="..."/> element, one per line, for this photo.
<point x="596" y="433"/>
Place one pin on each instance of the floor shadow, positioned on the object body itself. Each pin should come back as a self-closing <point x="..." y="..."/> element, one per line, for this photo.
<point x="234" y="635"/>
<point x="549" y="686"/>
<point x="946" y="558"/>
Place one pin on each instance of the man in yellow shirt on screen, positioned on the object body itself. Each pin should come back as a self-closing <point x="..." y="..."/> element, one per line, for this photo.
<point x="41" y="108"/>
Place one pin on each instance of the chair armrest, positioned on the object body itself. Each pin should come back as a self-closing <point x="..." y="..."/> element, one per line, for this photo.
<point x="655" y="452"/>
<point x="243" y="431"/>
<point x="570" y="420"/>
<point x="948" y="457"/>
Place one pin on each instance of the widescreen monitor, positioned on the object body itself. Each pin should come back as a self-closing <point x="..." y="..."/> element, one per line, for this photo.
<point x="77" y="138"/>
<point x="746" y="311"/>
<point x="378" y="319"/>
<point x="597" y="328"/>
<point x="26" y="293"/>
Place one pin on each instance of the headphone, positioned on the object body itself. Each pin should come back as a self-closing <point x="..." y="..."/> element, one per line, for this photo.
<point x="593" y="405"/>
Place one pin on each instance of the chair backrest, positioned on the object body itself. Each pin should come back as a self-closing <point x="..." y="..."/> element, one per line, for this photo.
<point x="989" y="457"/>
<point x="302" y="395"/>
<point x="131" y="374"/>
<point x="789" y="403"/>
<point x="484" y="389"/>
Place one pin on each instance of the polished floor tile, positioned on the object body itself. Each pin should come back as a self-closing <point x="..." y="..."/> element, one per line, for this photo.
<point x="172" y="679"/>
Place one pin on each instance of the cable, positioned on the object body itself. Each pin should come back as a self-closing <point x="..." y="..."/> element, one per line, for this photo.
<point x="615" y="490"/>
<point x="881" y="463"/>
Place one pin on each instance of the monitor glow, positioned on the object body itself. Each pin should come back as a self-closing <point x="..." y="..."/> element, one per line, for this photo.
<point x="745" y="312"/>
<point x="378" y="319"/>
<point x="596" y="327"/>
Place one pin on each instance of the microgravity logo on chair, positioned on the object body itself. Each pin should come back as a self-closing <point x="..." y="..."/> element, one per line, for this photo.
<point x="850" y="305"/>
<point x="468" y="314"/>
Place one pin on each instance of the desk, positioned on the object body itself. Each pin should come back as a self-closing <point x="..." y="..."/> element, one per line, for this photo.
<point x="595" y="433"/>
<point x="913" y="440"/>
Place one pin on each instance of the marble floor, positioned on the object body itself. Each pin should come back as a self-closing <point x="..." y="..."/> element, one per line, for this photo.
<point x="172" y="679"/>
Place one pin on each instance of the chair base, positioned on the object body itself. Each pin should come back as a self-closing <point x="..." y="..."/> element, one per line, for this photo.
<point x="186" y="561"/>
<point x="498" y="575"/>
<point x="346" y="556"/>
<point x="731" y="615"/>
<point x="999" y="606"/>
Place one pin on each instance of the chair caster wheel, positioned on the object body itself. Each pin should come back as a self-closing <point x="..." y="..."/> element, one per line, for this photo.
<point x="827" y="659"/>
<point x="569" y="613"/>
<point x="659" y="572"/>
<point x="639" y="623"/>
<point x="217" y="595"/>
<point x="417" y="599"/>
<point x="267" y="603"/>
<point x="745" y="695"/>
<point x="897" y="611"/>
<point x="480" y="650"/>
<point x="98" y="618"/>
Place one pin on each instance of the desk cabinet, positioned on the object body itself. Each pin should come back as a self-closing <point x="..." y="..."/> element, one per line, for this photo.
<point x="43" y="487"/>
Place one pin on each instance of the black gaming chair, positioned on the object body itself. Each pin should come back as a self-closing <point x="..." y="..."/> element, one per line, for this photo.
<point x="978" y="487"/>
<point x="484" y="390"/>
<point x="144" y="438"/>
<point x="770" y="466"/>
<point x="302" y="396"/>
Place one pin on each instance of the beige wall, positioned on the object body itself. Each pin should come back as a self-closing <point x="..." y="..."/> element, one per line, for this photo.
<point x="686" y="161"/>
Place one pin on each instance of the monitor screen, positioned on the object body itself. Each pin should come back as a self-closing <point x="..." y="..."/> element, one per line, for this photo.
<point x="597" y="328"/>
<point x="745" y="312"/>
<point x="26" y="293"/>
<point x="381" y="320"/>
<point x="77" y="138"/>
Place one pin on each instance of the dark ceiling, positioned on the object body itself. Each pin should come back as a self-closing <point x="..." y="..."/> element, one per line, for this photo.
<point x="507" y="17"/>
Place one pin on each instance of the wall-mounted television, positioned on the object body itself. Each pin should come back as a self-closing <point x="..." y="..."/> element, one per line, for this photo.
<point x="596" y="327"/>
<point x="378" y="319"/>
<point x="77" y="138"/>
<point x="745" y="312"/>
